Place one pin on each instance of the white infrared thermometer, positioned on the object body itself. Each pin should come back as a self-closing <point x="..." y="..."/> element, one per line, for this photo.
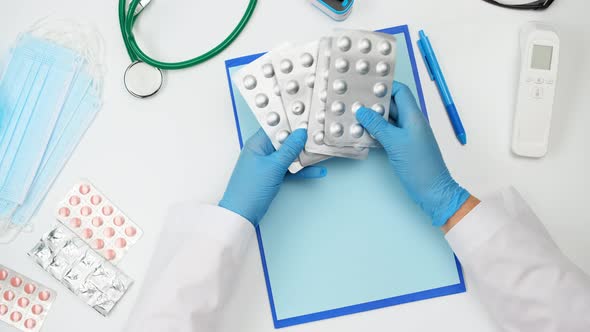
<point x="536" y="90"/>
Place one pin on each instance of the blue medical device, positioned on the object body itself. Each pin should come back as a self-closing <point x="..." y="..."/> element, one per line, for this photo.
<point x="339" y="10"/>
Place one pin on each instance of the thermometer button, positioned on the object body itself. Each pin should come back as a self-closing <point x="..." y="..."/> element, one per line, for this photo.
<point x="537" y="92"/>
<point x="539" y="80"/>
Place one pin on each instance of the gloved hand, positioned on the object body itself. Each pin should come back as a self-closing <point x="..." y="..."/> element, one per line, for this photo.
<point x="260" y="171"/>
<point x="415" y="156"/>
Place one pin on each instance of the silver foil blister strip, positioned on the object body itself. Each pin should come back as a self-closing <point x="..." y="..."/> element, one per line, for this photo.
<point x="361" y="75"/>
<point x="258" y="86"/>
<point x="88" y="275"/>
<point x="296" y="69"/>
<point x="24" y="303"/>
<point x="315" y="141"/>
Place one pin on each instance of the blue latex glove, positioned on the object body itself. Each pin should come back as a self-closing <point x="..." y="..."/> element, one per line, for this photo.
<point x="260" y="171"/>
<point x="415" y="155"/>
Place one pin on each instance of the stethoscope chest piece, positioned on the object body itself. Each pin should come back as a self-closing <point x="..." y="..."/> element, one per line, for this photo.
<point x="143" y="80"/>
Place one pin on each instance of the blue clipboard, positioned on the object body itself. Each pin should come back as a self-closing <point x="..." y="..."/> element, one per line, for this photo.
<point x="354" y="241"/>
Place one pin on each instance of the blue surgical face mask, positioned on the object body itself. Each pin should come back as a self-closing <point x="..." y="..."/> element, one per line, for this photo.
<point x="80" y="109"/>
<point x="36" y="119"/>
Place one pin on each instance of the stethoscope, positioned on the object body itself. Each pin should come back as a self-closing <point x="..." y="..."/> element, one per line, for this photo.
<point x="143" y="77"/>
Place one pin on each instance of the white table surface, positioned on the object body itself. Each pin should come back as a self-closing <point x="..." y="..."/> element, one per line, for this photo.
<point x="181" y="144"/>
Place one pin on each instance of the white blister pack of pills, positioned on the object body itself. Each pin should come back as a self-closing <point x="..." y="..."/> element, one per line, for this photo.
<point x="320" y="86"/>
<point x="93" y="217"/>
<point x="317" y="115"/>
<point x="258" y="85"/>
<point x="361" y="75"/>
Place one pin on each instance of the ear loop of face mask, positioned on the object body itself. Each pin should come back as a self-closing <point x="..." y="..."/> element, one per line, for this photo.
<point x="535" y="5"/>
<point x="35" y="124"/>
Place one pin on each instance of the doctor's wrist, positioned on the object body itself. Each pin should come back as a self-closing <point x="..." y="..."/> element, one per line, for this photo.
<point x="463" y="211"/>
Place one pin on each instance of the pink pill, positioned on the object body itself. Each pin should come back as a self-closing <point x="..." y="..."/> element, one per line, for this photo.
<point x="87" y="233"/>
<point x="120" y="243"/>
<point x="16" y="281"/>
<point x="109" y="232"/>
<point x="16" y="316"/>
<point x="84" y="189"/>
<point x="3" y="309"/>
<point x="110" y="254"/>
<point x="64" y="212"/>
<point x="37" y="309"/>
<point x="3" y="274"/>
<point x="23" y="302"/>
<point x="74" y="200"/>
<point x="97" y="221"/>
<point x="86" y="211"/>
<point x="96" y="199"/>
<point x="107" y="210"/>
<point x="30" y="288"/>
<point x="30" y="323"/>
<point x="8" y="296"/>
<point x="119" y="220"/>
<point x="44" y="295"/>
<point x="75" y="222"/>
<point x="98" y="244"/>
<point x="130" y="231"/>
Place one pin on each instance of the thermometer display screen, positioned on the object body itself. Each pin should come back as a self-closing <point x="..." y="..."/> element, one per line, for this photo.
<point x="542" y="56"/>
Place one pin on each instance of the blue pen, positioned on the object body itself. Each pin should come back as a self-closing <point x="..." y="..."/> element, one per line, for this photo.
<point x="437" y="76"/>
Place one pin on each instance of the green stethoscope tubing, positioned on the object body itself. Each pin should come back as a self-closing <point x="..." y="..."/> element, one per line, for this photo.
<point x="127" y="20"/>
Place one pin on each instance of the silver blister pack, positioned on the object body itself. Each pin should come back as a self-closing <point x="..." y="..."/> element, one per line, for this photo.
<point x="317" y="114"/>
<point x="296" y="78"/>
<point x="258" y="86"/>
<point x="296" y="67"/>
<point x="361" y="75"/>
<point x="87" y="274"/>
<point x="24" y="303"/>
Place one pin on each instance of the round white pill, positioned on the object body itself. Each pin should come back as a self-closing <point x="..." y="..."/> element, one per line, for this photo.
<point x="356" y="130"/>
<point x="336" y="129"/>
<point x="380" y="90"/>
<point x="323" y="96"/>
<point x="341" y="65"/>
<point x="338" y="108"/>
<point x="364" y="45"/>
<point x="326" y="74"/>
<point x="268" y="71"/>
<point x="339" y="86"/>
<point x="318" y="137"/>
<point x="249" y="82"/>
<point x="261" y="100"/>
<point x="385" y="47"/>
<point x="282" y="136"/>
<point x="362" y="66"/>
<point x="273" y="119"/>
<point x="344" y="43"/>
<point x="379" y="108"/>
<point x="286" y="66"/>
<point x="303" y="125"/>
<point x="306" y="60"/>
<point x="292" y="87"/>
<point x="310" y="81"/>
<point x="355" y="107"/>
<point x="297" y="108"/>
<point x="321" y="116"/>
<point x="277" y="90"/>
<point x="382" y="68"/>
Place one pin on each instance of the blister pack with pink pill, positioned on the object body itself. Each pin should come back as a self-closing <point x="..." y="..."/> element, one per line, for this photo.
<point x="94" y="218"/>
<point x="24" y="303"/>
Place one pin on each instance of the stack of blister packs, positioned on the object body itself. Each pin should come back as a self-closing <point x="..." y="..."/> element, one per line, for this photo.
<point x="49" y="95"/>
<point x="320" y="86"/>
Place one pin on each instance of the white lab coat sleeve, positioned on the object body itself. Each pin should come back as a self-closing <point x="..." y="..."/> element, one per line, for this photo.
<point x="517" y="270"/>
<point x="192" y="271"/>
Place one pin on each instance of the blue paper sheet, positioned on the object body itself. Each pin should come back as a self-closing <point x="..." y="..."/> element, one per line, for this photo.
<point x="353" y="241"/>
